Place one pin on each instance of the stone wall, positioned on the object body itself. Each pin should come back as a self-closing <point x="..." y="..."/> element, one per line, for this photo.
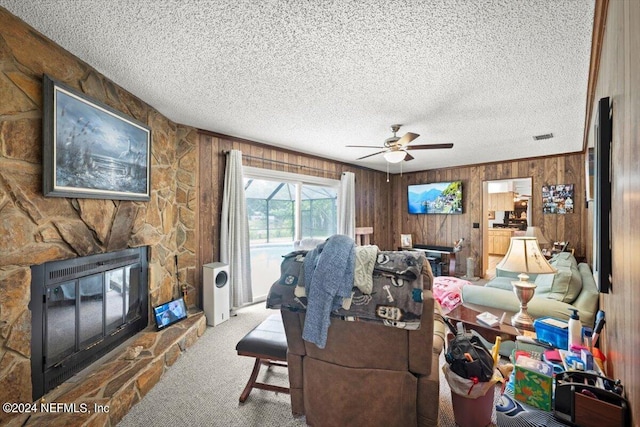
<point x="35" y="229"/>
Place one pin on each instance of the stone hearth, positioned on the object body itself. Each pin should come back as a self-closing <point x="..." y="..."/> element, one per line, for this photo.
<point x="117" y="383"/>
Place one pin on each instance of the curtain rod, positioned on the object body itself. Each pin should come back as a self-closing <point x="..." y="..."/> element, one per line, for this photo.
<point x="280" y="162"/>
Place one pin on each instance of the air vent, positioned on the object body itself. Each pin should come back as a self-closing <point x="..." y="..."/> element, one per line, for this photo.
<point x="543" y="136"/>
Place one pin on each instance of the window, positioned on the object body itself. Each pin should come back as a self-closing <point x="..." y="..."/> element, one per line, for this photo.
<point x="281" y="208"/>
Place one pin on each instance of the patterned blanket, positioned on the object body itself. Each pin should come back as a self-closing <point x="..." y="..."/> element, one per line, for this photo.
<point x="395" y="299"/>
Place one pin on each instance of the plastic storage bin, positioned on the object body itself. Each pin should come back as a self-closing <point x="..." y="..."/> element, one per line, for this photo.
<point x="554" y="331"/>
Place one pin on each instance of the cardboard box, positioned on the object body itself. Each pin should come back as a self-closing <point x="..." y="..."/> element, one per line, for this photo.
<point x="533" y="382"/>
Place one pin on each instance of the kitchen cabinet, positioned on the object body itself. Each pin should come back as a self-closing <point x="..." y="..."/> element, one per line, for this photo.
<point x="499" y="240"/>
<point x="501" y="201"/>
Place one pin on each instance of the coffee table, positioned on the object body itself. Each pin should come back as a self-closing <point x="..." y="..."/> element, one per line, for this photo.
<point x="466" y="313"/>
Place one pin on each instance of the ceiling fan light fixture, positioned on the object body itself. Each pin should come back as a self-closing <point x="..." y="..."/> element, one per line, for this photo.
<point x="395" y="156"/>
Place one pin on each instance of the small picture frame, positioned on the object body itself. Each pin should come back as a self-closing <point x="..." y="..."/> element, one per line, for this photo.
<point x="406" y="241"/>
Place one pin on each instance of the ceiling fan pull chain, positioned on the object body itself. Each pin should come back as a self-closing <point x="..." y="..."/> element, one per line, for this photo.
<point x="387" y="171"/>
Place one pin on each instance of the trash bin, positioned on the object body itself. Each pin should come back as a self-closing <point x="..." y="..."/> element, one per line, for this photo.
<point x="473" y="412"/>
<point x="472" y="402"/>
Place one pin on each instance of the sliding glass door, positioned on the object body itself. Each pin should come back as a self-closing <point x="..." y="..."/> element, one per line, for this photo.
<point x="282" y="208"/>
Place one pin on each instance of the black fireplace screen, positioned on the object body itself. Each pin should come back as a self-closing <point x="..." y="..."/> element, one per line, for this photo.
<point x="87" y="306"/>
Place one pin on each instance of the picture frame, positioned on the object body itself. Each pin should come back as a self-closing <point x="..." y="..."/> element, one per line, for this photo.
<point x="558" y="199"/>
<point x="406" y="241"/>
<point x="91" y="150"/>
<point x="602" y="219"/>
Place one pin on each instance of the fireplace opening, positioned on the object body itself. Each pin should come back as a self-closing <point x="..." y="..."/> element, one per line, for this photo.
<point x="81" y="309"/>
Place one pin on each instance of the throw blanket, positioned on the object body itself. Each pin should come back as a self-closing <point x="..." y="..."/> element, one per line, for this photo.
<point x="395" y="299"/>
<point x="328" y="278"/>
<point x="365" y="263"/>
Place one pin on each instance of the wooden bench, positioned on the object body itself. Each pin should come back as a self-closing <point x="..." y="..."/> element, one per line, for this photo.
<point x="266" y="342"/>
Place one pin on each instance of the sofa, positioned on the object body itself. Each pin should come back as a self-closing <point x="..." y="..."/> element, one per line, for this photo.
<point x="572" y="287"/>
<point x="367" y="373"/>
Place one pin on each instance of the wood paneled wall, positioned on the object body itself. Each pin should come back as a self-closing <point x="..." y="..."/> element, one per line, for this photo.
<point x="443" y="230"/>
<point x="383" y="205"/>
<point x="619" y="79"/>
<point x="373" y="200"/>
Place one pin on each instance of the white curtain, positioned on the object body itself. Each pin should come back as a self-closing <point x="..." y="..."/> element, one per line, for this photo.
<point x="347" y="205"/>
<point x="234" y="232"/>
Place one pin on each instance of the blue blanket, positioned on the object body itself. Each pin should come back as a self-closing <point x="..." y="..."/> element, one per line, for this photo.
<point x="328" y="278"/>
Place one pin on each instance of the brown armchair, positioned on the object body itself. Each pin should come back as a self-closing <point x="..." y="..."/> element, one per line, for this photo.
<point x="368" y="374"/>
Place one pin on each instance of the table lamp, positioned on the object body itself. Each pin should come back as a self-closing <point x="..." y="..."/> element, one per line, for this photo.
<point x="524" y="257"/>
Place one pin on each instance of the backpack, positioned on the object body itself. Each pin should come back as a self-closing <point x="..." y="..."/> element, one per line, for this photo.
<point x="468" y="357"/>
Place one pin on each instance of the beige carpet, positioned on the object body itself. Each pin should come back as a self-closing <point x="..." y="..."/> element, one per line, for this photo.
<point x="203" y="386"/>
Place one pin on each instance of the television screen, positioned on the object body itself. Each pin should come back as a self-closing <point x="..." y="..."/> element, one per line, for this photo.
<point x="170" y="312"/>
<point x="435" y="198"/>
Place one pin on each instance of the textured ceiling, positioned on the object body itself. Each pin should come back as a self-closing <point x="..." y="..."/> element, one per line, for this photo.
<point x="314" y="76"/>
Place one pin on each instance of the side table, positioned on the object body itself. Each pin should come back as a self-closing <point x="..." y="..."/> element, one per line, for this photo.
<point x="466" y="313"/>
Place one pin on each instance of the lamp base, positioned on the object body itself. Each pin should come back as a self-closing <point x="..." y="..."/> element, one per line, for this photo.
<point x="522" y="320"/>
<point x="524" y="291"/>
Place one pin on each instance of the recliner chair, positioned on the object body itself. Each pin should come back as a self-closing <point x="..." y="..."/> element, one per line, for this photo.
<point x="368" y="374"/>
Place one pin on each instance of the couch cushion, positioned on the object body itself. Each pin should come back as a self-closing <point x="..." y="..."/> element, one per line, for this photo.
<point x="563" y="256"/>
<point x="563" y="286"/>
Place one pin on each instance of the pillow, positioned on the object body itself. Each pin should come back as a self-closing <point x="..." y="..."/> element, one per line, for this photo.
<point x="565" y="285"/>
<point x="543" y="283"/>
<point x="563" y="257"/>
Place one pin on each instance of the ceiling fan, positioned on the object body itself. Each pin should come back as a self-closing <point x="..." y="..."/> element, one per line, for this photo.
<point x="395" y="148"/>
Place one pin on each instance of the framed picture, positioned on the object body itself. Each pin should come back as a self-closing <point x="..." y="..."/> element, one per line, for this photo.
<point x="557" y="199"/>
<point x="602" y="219"/>
<point x="405" y="241"/>
<point x="91" y="150"/>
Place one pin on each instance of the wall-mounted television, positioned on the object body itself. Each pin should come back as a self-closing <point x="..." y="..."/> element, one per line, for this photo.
<point x="435" y="198"/>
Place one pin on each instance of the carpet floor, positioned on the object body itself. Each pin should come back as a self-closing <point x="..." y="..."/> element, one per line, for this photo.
<point x="203" y="386"/>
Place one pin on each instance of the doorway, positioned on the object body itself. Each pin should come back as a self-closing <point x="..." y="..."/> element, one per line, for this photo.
<point x="506" y="207"/>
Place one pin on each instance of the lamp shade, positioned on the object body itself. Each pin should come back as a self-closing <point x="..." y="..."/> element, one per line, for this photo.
<point x="395" y="156"/>
<point x="524" y="256"/>
<point x="537" y="233"/>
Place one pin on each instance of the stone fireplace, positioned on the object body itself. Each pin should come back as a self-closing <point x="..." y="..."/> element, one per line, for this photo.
<point x="36" y="230"/>
<point x="81" y="309"/>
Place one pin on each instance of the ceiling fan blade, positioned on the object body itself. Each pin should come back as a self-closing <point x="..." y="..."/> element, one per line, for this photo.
<point x="364" y="146"/>
<point x="407" y="138"/>
<point x="369" y="155"/>
<point x="428" y="146"/>
<point x="408" y="157"/>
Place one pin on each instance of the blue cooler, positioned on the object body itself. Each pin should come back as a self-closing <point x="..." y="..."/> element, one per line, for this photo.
<point x="553" y="331"/>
